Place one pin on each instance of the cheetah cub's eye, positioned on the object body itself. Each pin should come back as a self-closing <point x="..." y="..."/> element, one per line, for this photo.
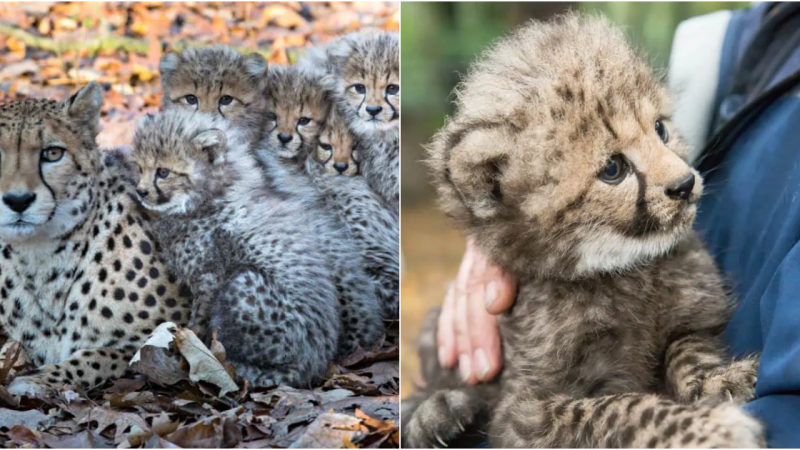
<point x="359" y="88"/>
<point x="392" y="89"/>
<point x="52" y="154"/>
<point x="225" y="100"/>
<point x="304" y="121"/>
<point x="190" y="99"/>
<point x="615" y="171"/>
<point x="272" y="117"/>
<point x="326" y="147"/>
<point x="662" y="131"/>
<point x="162" y="173"/>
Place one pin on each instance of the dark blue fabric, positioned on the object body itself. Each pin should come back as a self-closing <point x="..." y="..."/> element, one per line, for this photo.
<point x="750" y="220"/>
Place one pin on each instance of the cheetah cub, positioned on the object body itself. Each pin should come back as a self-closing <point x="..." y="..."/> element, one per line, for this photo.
<point x="250" y="267"/>
<point x="374" y="231"/>
<point x="217" y="80"/>
<point x="562" y="163"/>
<point x="365" y="75"/>
<point x="380" y="166"/>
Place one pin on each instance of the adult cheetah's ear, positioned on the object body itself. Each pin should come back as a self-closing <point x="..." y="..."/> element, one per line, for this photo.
<point x="84" y="107"/>
<point x="213" y="143"/>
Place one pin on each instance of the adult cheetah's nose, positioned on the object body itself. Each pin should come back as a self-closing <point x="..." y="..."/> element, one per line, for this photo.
<point x="142" y="193"/>
<point x="340" y="167"/>
<point x="285" y="138"/>
<point x="681" y="189"/>
<point x="19" y="202"/>
<point x="374" y="110"/>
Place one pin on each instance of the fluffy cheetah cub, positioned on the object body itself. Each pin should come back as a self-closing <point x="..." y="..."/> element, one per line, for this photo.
<point x="365" y="69"/>
<point x="374" y="231"/>
<point x="218" y="80"/>
<point x="250" y="280"/>
<point x="562" y="163"/>
<point x="297" y="104"/>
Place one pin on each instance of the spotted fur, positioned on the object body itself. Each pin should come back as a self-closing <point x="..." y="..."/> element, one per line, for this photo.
<point x="365" y="75"/>
<point x="372" y="229"/>
<point x="82" y="281"/>
<point x="615" y="335"/>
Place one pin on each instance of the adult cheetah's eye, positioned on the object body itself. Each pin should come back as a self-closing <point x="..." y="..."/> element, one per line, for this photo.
<point x="304" y="121"/>
<point x="191" y="99"/>
<point x="615" y="171"/>
<point x="359" y="88"/>
<point x="662" y="131"/>
<point x="392" y="89"/>
<point x="162" y="173"/>
<point x="52" y="154"/>
<point x="326" y="147"/>
<point x="225" y="100"/>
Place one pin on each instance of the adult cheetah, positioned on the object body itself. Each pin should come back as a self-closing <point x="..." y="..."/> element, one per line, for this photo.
<point x="82" y="283"/>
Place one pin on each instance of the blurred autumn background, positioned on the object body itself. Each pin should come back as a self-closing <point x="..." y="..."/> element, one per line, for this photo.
<point x="50" y="50"/>
<point x="438" y="42"/>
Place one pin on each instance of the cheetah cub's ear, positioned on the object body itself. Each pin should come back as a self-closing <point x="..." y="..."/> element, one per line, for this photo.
<point x="84" y="107"/>
<point x="255" y="65"/>
<point x="212" y="143"/>
<point x="473" y="167"/>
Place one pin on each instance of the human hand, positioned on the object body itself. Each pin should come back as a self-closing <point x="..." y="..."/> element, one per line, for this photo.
<point x="467" y="332"/>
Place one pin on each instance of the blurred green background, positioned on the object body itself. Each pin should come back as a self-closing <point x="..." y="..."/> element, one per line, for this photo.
<point x="438" y="41"/>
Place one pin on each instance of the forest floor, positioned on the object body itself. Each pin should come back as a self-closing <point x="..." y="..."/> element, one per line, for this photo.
<point x="52" y="49"/>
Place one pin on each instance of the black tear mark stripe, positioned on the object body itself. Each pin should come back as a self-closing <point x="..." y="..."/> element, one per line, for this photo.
<point x="643" y="222"/>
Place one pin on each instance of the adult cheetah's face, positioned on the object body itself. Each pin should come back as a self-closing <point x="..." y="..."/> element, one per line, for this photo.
<point x="584" y="173"/>
<point x="337" y="148"/>
<point x="297" y="105"/>
<point x="48" y="164"/>
<point x="371" y="85"/>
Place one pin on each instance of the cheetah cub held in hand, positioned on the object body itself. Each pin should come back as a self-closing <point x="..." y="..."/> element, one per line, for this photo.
<point x="365" y="77"/>
<point x="82" y="281"/>
<point x="562" y="163"/>
<point x="374" y="231"/>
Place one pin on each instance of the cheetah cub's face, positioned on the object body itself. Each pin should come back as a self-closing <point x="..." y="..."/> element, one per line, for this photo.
<point x="48" y="164"/>
<point x="216" y="80"/>
<point x="297" y="106"/>
<point x="337" y="146"/>
<point x="370" y="82"/>
<point x="181" y="159"/>
<point x="562" y="159"/>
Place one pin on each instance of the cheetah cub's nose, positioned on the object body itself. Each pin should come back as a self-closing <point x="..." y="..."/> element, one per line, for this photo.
<point x="681" y="189"/>
<point x="19" y="202"/>
<point x="142" y="193"/>
<point x="340" y="167"/>
<point x="374" y="110"/>
<point x="285" y="138"/>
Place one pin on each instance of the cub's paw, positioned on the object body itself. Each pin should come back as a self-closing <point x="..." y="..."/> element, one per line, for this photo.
<point x="735" y="382"/>
<point x="438" y="419"/>
<point x="31" y="386"/>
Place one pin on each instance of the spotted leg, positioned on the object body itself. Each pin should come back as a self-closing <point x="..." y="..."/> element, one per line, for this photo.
<point x="84" y="369"/>
<point x="628" y="420"/>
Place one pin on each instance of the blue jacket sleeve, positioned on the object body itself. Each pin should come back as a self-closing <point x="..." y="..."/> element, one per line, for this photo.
<point x="778" y="386"/>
